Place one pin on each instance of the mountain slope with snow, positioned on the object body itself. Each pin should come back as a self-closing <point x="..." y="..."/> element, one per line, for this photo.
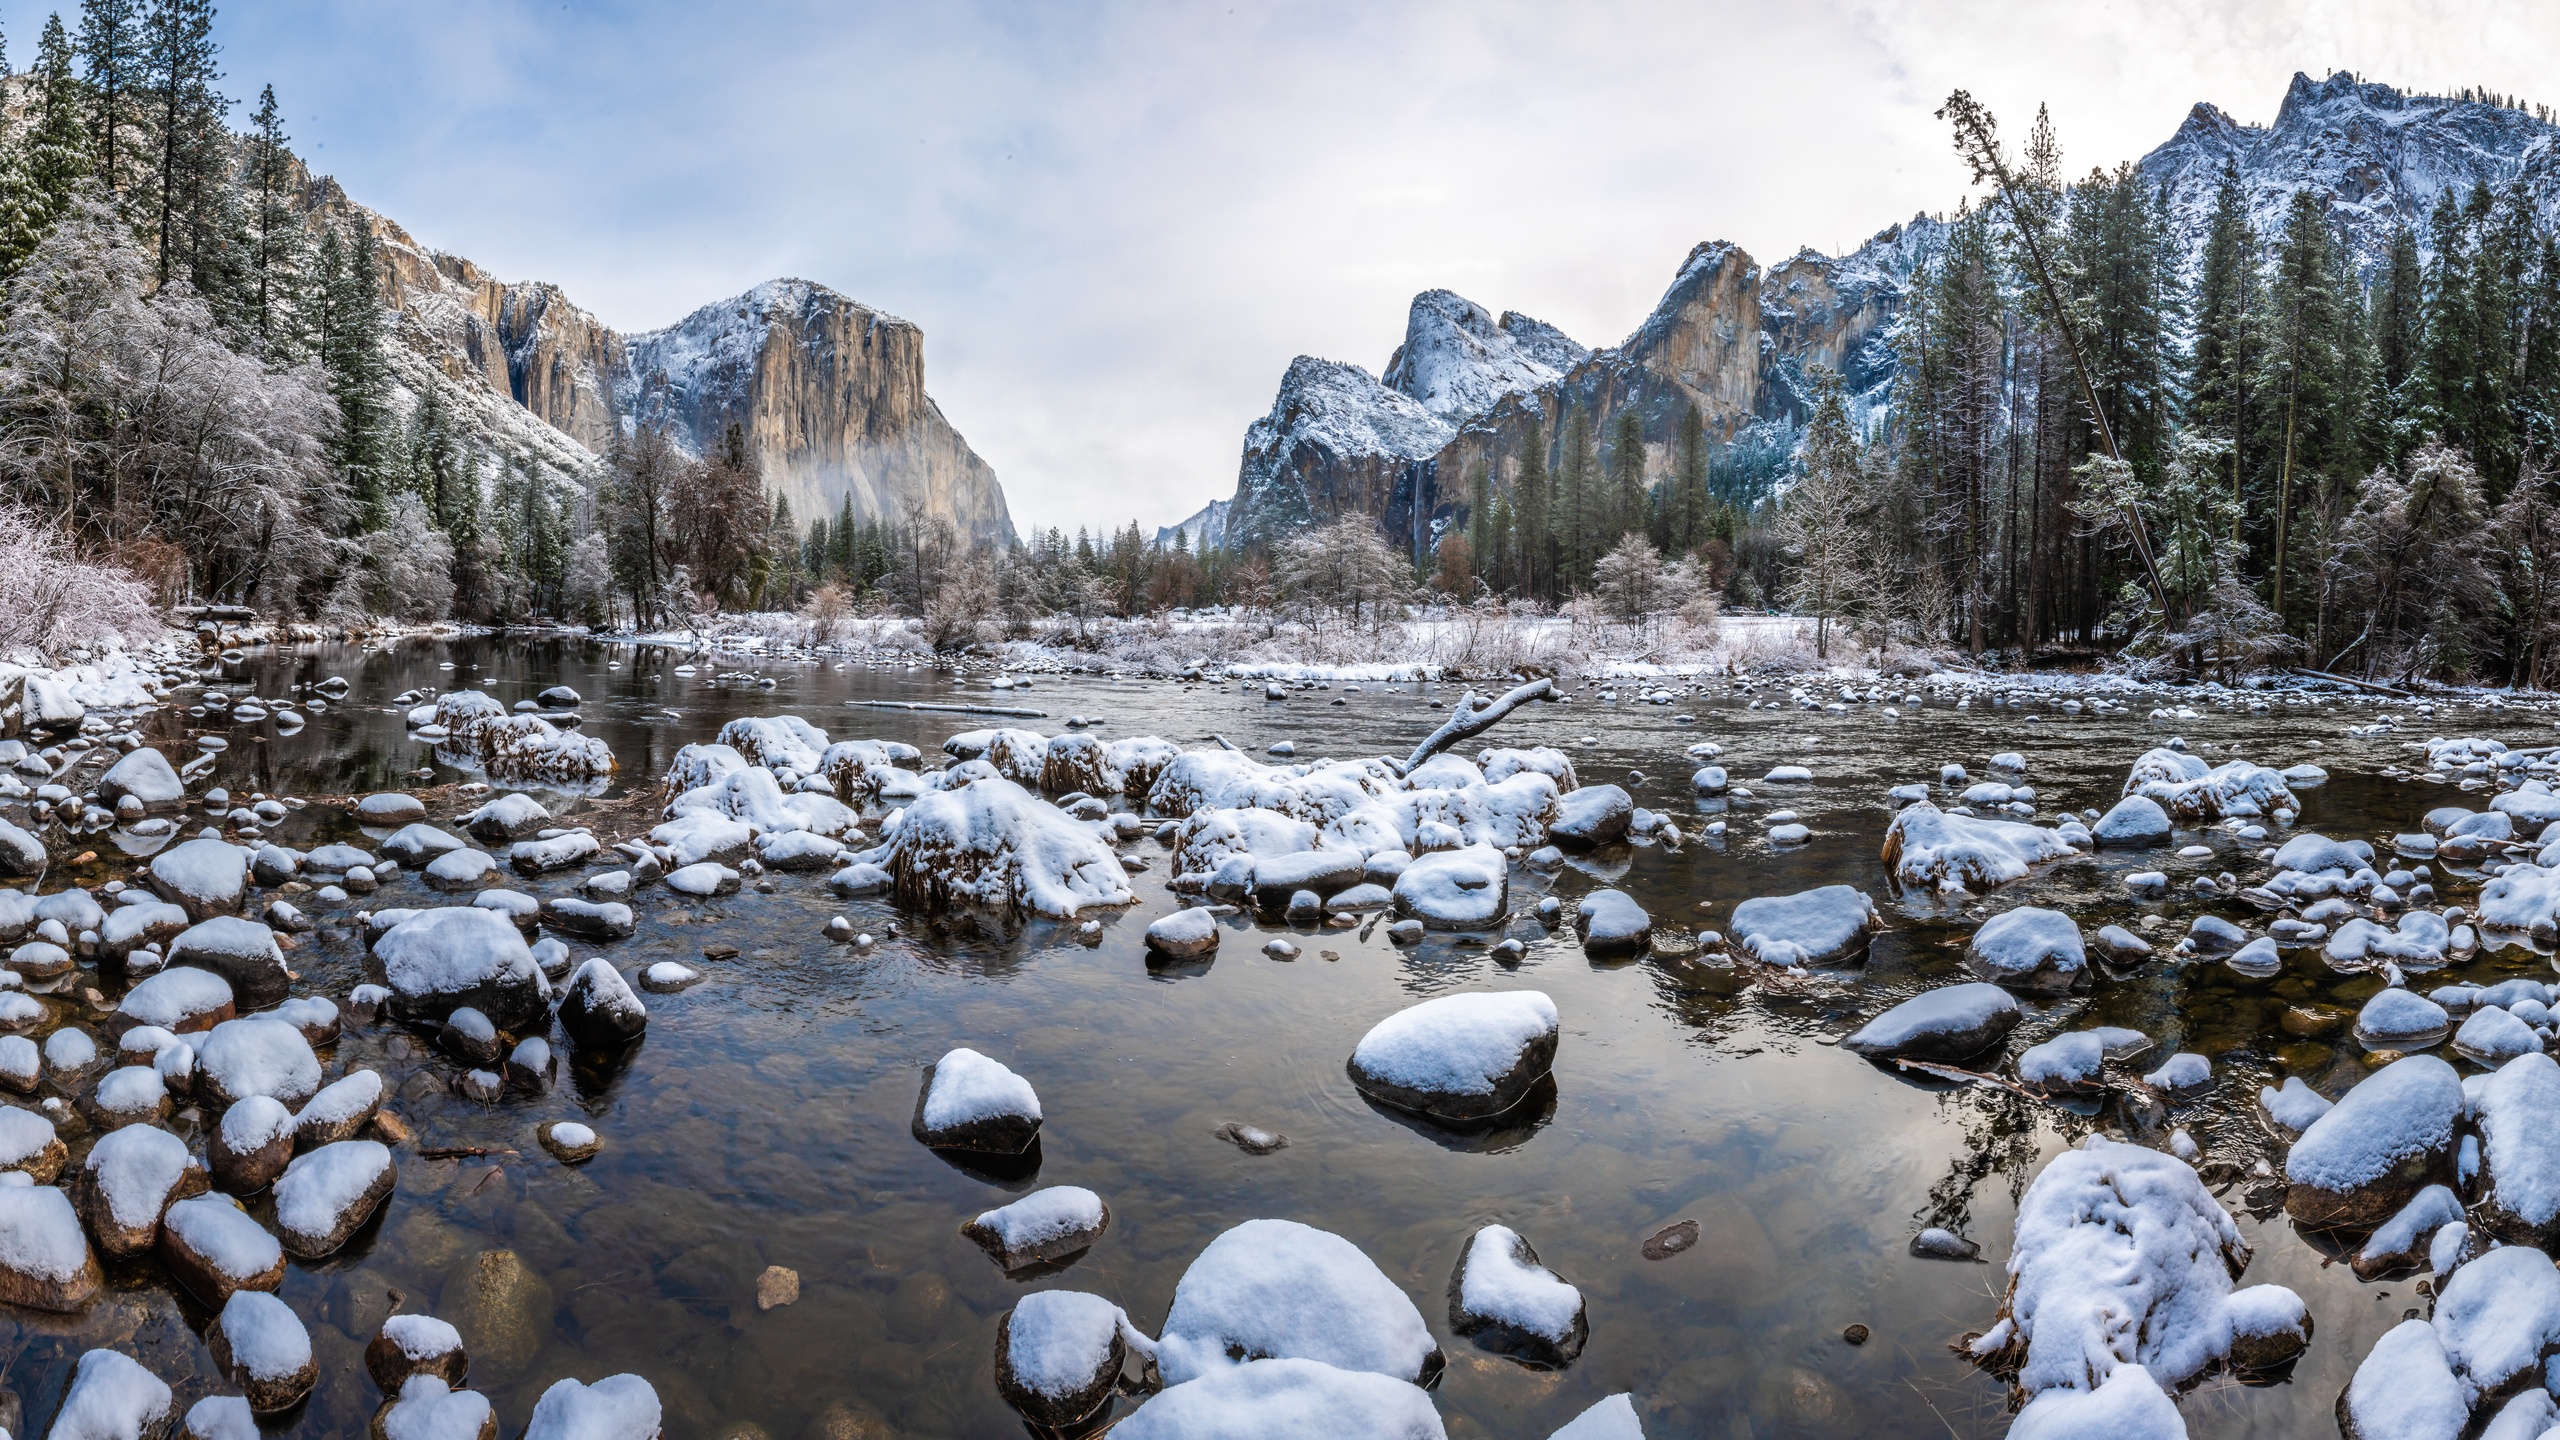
<point x="1457" y="360"/>
<point x="1335" y="442"/>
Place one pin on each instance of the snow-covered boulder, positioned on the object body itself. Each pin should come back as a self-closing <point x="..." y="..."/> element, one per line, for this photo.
<point x="112" y="1397"/>
<point x="2491" y="1036"/>
<point x="1059" y="1353"/>
<point x="776" y="742"/>
<point x="256" y="1055"/>
<point x="29" y="1146"/>
<point x="529" y="747"/>
<point x="2190" y="790"/>
<point x="1810" y="927"/>
<point x="20" y="852"/>
<point x="1045" y="1225"/>
<point x="588" y="919"/>
<point x="326" y="1195"/>
<point x="617" y="1407"/>
<point x="417" y="844"/>
<point x="1501" y="764"/>
<point x="425" y="1405"/>
<point x="2518" y="1112"/>
<point x="511" y="816"/>
<point x="251" y="1145"/>
<point x="205" y="876"/>
<point x="1276" y="1289"/>
<point x="129" y="1180"/>
<point x="130" y="927"/>
<point x="2402" y="1241"/>
<point x="2498" y="1319"/>
<point x="409" y="1345"/>
<point x="214" y="1249"/>
<point x="340" y="1111"/>
<point x="2398" y="1019"/>
<point x="45" y="1261"/>
<point x="179" y="1001"/>
<point x="1287" y="1400"/>
<point x="2135" y="822"/>
<point x="1591" y="815"/>
<point x="145" y="777"/>
<point x="1184" y="934"/>
<point x="1932" y="849"/>
<point x="1951" y="1022"/>
<point x="2128" y="1405"/>
<point x="560" y="852"/>
<point x="1459" y="1058"/>
<point x="259" y="1344"/>
<point x="2392" y="1136"/>
<point x="997" y="846"/>
<point x="795" y="850"/>
<point x="2404" y="1389"/>
<point x="2122" y="1257"/>
<point x="970" y="1102"/>
<point x="243" y="952"/>
<point x="1611" y="923"/>
<point x="2029" y="949"/>
<point x="1465" y="889"/>
<point x="456" y="955"/>
<point x="1509" y="1303"/>
<point x="597" y="1008"/>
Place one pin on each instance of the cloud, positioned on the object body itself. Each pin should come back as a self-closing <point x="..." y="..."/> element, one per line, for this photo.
<point x="1117" y="222"/>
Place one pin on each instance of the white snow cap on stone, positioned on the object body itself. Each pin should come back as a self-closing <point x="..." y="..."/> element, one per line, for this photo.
<point x="2128" y="1405"/>
<point x="267" y="1338"/>
<point x="1611" y="1419"/>
<point x="1456" y="1044"/>
<point x="617" y="1407"/>
<point x="1527" y="1297"/>
<point x="1059" y="1339"/>
<point x="1806" y="928"/>
<point x="968" y="1087"/>
<point x="1286" y="1399"/>
<point x="1044" y="1214"/>
<point x="111" y="1398"/>
<point x="998" y="845"/>
<point x="1276" y="1288"/>
<point x="40" y="1233"/>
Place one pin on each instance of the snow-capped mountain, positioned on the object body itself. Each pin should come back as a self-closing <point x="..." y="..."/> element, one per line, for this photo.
<point x="1457" y="360"/>
<point x="2380" y="158"/>
<point x="831" y="392"/>
<point x="1206" y="529"/>
<point x="831" y="396"/>
<point x="1336" y="442"/>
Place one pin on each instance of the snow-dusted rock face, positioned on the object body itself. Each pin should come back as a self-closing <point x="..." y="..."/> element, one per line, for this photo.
<point x="995" y="845"/>
<point x="1276" y="1289"/>
<point x="1460" y="1058"/>
<point x="409" y="1345"/>
<point x="832" y="399"/>
<point x="325" y="1195"/>
<point x="2122" y="1257"/>
<point x="970" y="1102"/>
<point x="1457" y="360"/>
<point x="215" y="1249"/>
<point x="1335" y="443"/>
<point x="1508" y="1302"/>
<point x="1811" y="927"/>
<point x="1204" y="529"/>
<point x="460" y="955"/>
<point x="45" y="1260"/>
<point x="1931" y="849"/>
<point x="2377" y="157"/>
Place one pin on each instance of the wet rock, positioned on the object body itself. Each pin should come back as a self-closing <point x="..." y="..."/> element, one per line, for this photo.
<point x="325" y="1196"/>
<point x="598" y="1010"/>
<point x="570" y="1142"/>
<point x="213" y="1248"/>
<point x="2182" y="1076"/>
<point x="1251" y="1139"/>
<point x="437" y="960"/>
<point x="2136" y="822"/>
<point x="1184" y="934"/>
<point x="504" y="1313"/>
<point x="508" y="817"/>
<point x="1058" y="1356"/>
<point x="777" y="1286"/>
<point x="1952" y="1022"/>
<point x="1611" y="923"/>
<point x="340" y="1111"/>
<point x="409" y="1345"/>
<point x="427" y="1407"/>
<point x="1811" y="927"/>
<point x="468" y="1036"/>
<point x="273" y="865"/>
<point x="1464" y="889"/>
<point x="2370" y="1154"/>
<point x="969" y="1102"/>
<point x="2397" y="1019"/>
<point x="618" y="1407"/>
<point x="1935" y="1243"/>
<point x="1043" y="1226"/>
<point x="2516" y="1110"/>
<point x="260" y="1344"/>
<point x="1459" y="1058"/>
<point x="1510" y="1303"/>
<point x="130" y="1178"/>
<point x="29" y="1146"/>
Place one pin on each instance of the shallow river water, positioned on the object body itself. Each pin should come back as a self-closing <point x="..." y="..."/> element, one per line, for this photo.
<point x="764" y="1119"/>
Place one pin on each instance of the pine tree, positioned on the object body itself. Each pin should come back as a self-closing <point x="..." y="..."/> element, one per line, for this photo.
<point x="189" y="184"/>
<point x="2221" y="379"/>
<point x="1533" y="524"/>
<point x="1629" y="509"/>
<point x="111" y="51"/>
<point x="1579" y="505"/>
<point x="350" y="335"/>
<point x="1687" y="522"/>
<point x="58" y="146"/>
<point x="2445" y="388"/>
<point x="21" y="207"/>
<point x="277" y="256"/>
<point x="2397" y="322"/>
<point x="2299" y="364"/>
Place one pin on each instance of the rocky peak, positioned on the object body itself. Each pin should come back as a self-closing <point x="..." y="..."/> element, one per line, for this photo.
<point x="1206" y="529"/>
<point x="1457" y="360"/>
<point x="1335" y="442"/>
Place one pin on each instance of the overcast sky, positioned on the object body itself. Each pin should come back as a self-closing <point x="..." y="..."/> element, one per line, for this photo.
<point x="1116" y="223"/>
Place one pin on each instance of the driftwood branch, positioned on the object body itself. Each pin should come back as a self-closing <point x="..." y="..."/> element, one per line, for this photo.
<point x="1467" y="720"/>
<point x="2307" y="671"/>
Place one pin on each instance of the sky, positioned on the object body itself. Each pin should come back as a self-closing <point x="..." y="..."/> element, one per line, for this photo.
<point x="1117" y="222"/>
